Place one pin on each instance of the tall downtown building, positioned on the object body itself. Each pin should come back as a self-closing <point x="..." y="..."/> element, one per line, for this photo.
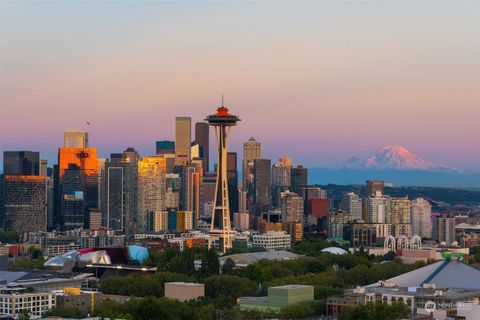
<point x="120" y="205"/>
<point x="299" y="179"/>
<point x="21" y="163"/>
<point x="262" y="186"/>
<point x="281" y="178"/>
<point x="74" y="138"/>
<point x="23" y="193"/>
<point x="232" y="179"/>
<point x="202" y="138"/>
<point x="352" y="204"/>
<point x="151" y="189"/>
<point x="251" y="150"/>
<point x="183" y="140"/>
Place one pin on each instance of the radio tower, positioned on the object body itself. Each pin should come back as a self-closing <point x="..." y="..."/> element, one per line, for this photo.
<point x="222" y="122"/>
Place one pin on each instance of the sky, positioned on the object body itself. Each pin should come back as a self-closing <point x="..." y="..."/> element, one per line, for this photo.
<point x="320" y="81"/>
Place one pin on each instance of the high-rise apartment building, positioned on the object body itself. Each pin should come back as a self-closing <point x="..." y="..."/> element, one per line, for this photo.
<point x="21" y="163"/>
<point x="262" y="185"/>
<point x="400" y="208"/>
<point x="374" y="186"/>
<point x="378" y="209"/>
<point x="121" y="191"/>
<point x="151" y="188"/>
<point x="74" y="138"/>
<point x="352" y="204"/>
<point x="183" y="140"/>
<point x="292" y="207"/>
<point x="24" y="203"/>
<point x="444" y="230"/>
<point x="202" y="137"/>
<point x="421" y="218"/>
<point x="251" y="150"/>
<point x="43" y="168"/>
<point x="281" y="178"/>
<point x="299" y="179"/>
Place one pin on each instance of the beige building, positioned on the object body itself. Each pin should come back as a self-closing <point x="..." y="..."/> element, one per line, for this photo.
<point x="400" y="210"/>
<point x="74" y="138"/>
<point x="421" y="217"/>
<point x="183" y="139"/>
<point x="184" y="291"/>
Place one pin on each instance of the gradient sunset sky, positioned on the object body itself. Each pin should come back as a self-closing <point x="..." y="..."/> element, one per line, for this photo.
<point x="320" y="81"/>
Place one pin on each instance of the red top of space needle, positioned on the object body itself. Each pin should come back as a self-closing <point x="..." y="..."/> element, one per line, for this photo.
<point x="222" y="117"/>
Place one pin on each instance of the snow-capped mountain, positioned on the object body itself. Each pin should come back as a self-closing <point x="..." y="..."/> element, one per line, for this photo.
<point x="396" y="157"/>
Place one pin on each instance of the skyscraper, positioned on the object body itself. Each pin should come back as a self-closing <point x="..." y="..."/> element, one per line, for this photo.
<point x="374" y="186"/>
<point x="74" y="138"/>
<point x="183" y="140"/>
<point x="232" y="178"/>
<point x="76" y="180"/>
<point x="222" y="121"/>
<point x="262" y="185"/>
<point x="190" y="196"/>
<point x="299" y="179"/>
<point x="121" y="191"/>
<point x="24" y="204"/>
<point x="165" y="147"/>
<point x="252" y="149"/>
<point x="292" y="207"/>
<point x="151" y="189"/>
<point x="21" y="163"/>
<point x="202" y="137"/>
<point x="281" y="178"/>
<point x="421" y="218"/>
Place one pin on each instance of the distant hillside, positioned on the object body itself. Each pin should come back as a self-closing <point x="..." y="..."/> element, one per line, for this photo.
<point x="451" y="196"/>
<point x="399" y="177"/>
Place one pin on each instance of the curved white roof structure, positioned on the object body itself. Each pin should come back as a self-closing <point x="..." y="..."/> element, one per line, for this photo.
<point x="334" y="250"/>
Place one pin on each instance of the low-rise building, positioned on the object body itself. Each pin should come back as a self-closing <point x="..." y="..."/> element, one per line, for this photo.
<point x="278" y="298"/>
<point x="272" y="240"/>
<point x="14" y="301"/>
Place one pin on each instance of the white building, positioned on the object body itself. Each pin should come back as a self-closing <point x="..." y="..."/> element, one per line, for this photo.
<point x="14" y="301"/>
<point x="378" y="209"/>
<point x="421" y="217"/>
<point x="272" y="240"/>
<point x="352" y="204"/>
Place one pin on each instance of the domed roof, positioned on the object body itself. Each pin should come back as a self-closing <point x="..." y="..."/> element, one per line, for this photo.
<point x="334" y="250"/>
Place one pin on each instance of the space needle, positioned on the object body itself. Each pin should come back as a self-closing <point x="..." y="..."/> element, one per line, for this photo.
<point x="222" y="121"/>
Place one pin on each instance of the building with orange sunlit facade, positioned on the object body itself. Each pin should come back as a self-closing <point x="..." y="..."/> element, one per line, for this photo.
<point x="76" y="185"/>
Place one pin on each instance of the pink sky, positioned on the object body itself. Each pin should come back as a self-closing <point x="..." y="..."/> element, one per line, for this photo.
<point x="319" y="81"/>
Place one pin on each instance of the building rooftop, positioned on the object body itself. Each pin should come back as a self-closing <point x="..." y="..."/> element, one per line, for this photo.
<point x="444" y="274"/>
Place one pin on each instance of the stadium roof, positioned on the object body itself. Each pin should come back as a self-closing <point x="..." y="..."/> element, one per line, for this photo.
<point x="444" y="274"/>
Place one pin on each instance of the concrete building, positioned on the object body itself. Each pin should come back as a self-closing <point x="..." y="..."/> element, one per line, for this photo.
<point x="444" y="230"/>
<point x="183" y="139"/>
<point x="421" y="217"/>
<point x="202" y="137"/>
<point x="400" y="208"/>
<point x="278" y="298"/>
<point x="241" y="220"/>
<point x="184" y="291"/>
<point x="352" y="204"/>
<point x="378" y="208"/>
<point x="24" y="203"/>
<point x="74" y="138"/>
<point x="15" y="301"/>
<point x="292" y="207"/>
<point x="272" y="240"/>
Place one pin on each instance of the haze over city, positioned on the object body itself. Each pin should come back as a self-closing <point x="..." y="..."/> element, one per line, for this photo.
<point x="321" y="82"/>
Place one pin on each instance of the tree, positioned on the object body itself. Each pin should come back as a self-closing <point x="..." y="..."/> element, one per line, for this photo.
<point x="376" y="311"/>
<point x="228" y="266"/>
<point x="225" y="289"/>
<point x="298" y="310"/>
<point x="24" y="315"/>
